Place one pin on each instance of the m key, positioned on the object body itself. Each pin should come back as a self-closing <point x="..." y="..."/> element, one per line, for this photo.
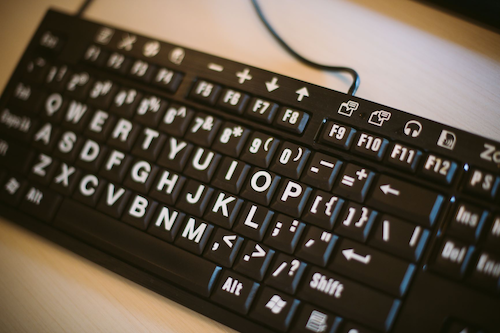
<point x="406" y="200"/>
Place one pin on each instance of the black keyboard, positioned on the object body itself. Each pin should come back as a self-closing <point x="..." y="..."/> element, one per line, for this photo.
<point x="264" y="202"/>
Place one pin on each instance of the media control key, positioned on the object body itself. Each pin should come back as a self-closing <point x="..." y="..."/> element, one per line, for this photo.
<point x="406" y="200"/>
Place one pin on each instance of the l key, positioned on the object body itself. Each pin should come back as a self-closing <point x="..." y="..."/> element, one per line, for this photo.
<point x="406" y="200"/>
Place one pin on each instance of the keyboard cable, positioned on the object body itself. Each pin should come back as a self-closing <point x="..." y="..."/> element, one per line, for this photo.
<point x="352" y="72"/>
<point x="82" y="8"/>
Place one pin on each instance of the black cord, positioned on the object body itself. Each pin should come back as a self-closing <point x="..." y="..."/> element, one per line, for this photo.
<point x="82" y="8"/>
<point x="352" y="72"/>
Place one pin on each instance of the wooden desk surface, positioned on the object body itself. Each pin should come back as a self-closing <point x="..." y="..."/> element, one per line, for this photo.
<point x="409" y="56"/>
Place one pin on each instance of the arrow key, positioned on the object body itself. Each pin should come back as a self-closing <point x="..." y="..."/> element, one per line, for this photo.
<point x="224" y="247"/>
<point x="372" y="267"/>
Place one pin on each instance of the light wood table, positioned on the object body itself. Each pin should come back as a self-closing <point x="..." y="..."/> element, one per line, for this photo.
<point x="410" y="56"/>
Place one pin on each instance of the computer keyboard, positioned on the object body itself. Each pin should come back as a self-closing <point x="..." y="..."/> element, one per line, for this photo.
<point x="264" y="202"/>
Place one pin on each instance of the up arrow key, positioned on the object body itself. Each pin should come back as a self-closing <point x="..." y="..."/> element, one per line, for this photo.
<point x="387" y="189"/>
<point x="301" y="93"/>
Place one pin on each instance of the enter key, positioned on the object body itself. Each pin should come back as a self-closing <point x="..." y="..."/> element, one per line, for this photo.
<point x="375" y="268"/>
<point x="406" y="200"/>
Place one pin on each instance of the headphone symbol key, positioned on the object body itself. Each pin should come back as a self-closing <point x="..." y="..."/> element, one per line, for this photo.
<point x="413" y="128"/>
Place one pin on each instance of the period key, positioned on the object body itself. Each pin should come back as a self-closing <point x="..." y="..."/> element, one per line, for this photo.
<point x="406" y="200"/>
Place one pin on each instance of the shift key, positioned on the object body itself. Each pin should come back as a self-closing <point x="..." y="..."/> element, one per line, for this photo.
<point x="406" y="200"/>
<point x="349" y="299"/>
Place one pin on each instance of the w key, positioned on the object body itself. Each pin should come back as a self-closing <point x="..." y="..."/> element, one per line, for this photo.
<point x="406" y="200"/>
<point x="372" y="267"/>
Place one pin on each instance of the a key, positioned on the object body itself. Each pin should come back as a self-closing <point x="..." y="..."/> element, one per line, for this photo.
<point x="291" y="198"/>
<point x="141" y="70"/>
<point x="65" y="179"/>
<point x="202" y="164"/>
<point x="194" y="197"/>
<point x="493" y="236"/>
<point x="41" y="203"/>
<point x="205" y="92"/>
<point x="404" y="157"/>
<point x="167" y="79"/>
<point x="260" y="186"/>
<point x="102" y="93"/>
<point x="292" y="120"/>
<point x="486" y="271"/>
<point x="439" y="168"/>
<point x="115" y="166"/>
<point x="175" y="154"/>
<point x="337" y="135"/>
<point x="124" y="134"/>
<point x="253" y="221"/>
<point x="141" y="176"/>
<point x="223" y="209"/>
<point x="231" y="175"/>
<point x="89" y="189"/>
<point x="482" y="183"/>
<point x="314" y="319"/>
<point x="125" y="102"/>
<point x="261" y="110"/>
<point x="149" y="144"/>
<point x="150" y="110"/>
<point x="14" y="156"/>
<point x="139" y="211"/>
<point x="100" y="126"/>
<point x="114" y="200"/>
<point x="12" y="190"/>
<point x="117" y="62"/>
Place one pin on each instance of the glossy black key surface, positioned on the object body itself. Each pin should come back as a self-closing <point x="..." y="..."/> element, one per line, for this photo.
<point x="260" y="149"/>
<point x="467" y="222"/>
<point x="205" y="92"/>
<point x="452" y="258"/>
<point x="315" y="319"/>
<point x="274" y="309"/>
<point x="235" y="291"/>
<point x="353" y="182"/>
<point x="285" y="233"/>
<point x="292" y="120"/>
<point x="321" y="171"/>
<point x="254" y="260"/>
<point x="41" y="203"/>
<point x="337" y="135"/>
<point x="286" y="273"/>
<point x="482" y="183"/>
<point x="261" y="110"/>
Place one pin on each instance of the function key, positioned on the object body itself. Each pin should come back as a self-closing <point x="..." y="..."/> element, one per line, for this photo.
<point x="51" y="41"/>
<point x="439" y="168"/>
<point x="291" y="160"/>
<point x="467" y="222"/>
<point x="95" y="55"/>
<point x="176" y="120"/>
<point x="167" y="79"/>
<point x="337" y="135"/>
<point x="404" y="157"/>
<point x="261" y="110"/>
<point x="117" y="62"/>
<point x="141" y="70"/>
<point x="292" y="120"/>
<point x="354" y="182"/>
<point x="482" y="183"/>
<point x="231" y="139"/>
<point x="203" y="129"/>
<point x="233" y="100"/>
<point x="452" y="258"/>
<point x="370" y="146"/>
<point x="321" y="171"/>
<point x="260" y="149"/>
<point x="205" y="92"/>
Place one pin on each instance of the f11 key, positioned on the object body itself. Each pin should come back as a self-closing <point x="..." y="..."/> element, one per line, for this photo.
<point x="406" y="200"/>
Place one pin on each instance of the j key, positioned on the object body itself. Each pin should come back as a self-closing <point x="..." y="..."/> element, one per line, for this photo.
<point x="348" y="298"/>
<point x="292" y="120"/>
<point x="176" y="120"/>
<point x="231" y="175"/>
<point x="482" y="183"/>
<point x="452" y="258"/>
<point x="406" y="200"/>
<point x="14" y="156"/>
<point x="57" y="77"/>
<point x="323" y="209"/>
<point x="493" y="235"/>
<point x="314" y="319"/>
<point x="175" y="154"/>
<point x="102" y="93"/>
<point x="370" y="146"/>
<point x="354" y="182"/>
<point x="291" y="198"/>
<point x="467" y="222"/>
<point x="231" y="139"/>
<point x="202" y="164"/>
<point x="254" y="260"/>
<point x="12" y="190"/>
<point x="125" y="102"/>
<point x="166" y="223"/>
<point x="41" y="203"/>
<point x="194" y="198"/>
<point x="114" y="237"/>
<point x="205" y="92"/>
<point x="150" y="110"/>
<point x="403" y="239"/>
<point x="439" y="168"/>
<point x="139" y="211"/>
<point x="404" y="157"/>
<point x="167" y="187"/>
<point x="337" y="135"/>
<point x="78" y="85"/>
<point x="261" y="110"/>
<point x="194" y="235"/>
<point x="114" y="200"/>
<point x="486" y="272"/>
<point x="118" y="63"/>
<point x="321" y="171"/>
<point x="224" y="247"/>
<point x="260" y="149"/>
<point x="167" y="79"/>
<point x="234" y="291"/>
<point x="223" y="209"/>
<point x="95" y="55"/>
<point x="356" y="222"/>
<point x="149" y="144"/>
<point x="141" y="70"/>
<point x="260" y="186"/>
<point x="372" y="267"/>
<point x="316" y="246"/>
<point x="290" y="160"/>
<point x="232" y="100"/>
<point x="284" y="233"/>
<point x="253" y="221"/>
<point x="274" y="309"/>
<point x="203" y="129"/>
<point x="285" y="274"/>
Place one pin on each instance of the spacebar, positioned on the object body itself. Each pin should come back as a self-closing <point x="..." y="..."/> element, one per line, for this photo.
<point x="138" y="248"/>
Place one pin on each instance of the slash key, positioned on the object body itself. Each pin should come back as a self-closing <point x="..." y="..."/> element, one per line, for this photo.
<point x="406" y="200"/>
